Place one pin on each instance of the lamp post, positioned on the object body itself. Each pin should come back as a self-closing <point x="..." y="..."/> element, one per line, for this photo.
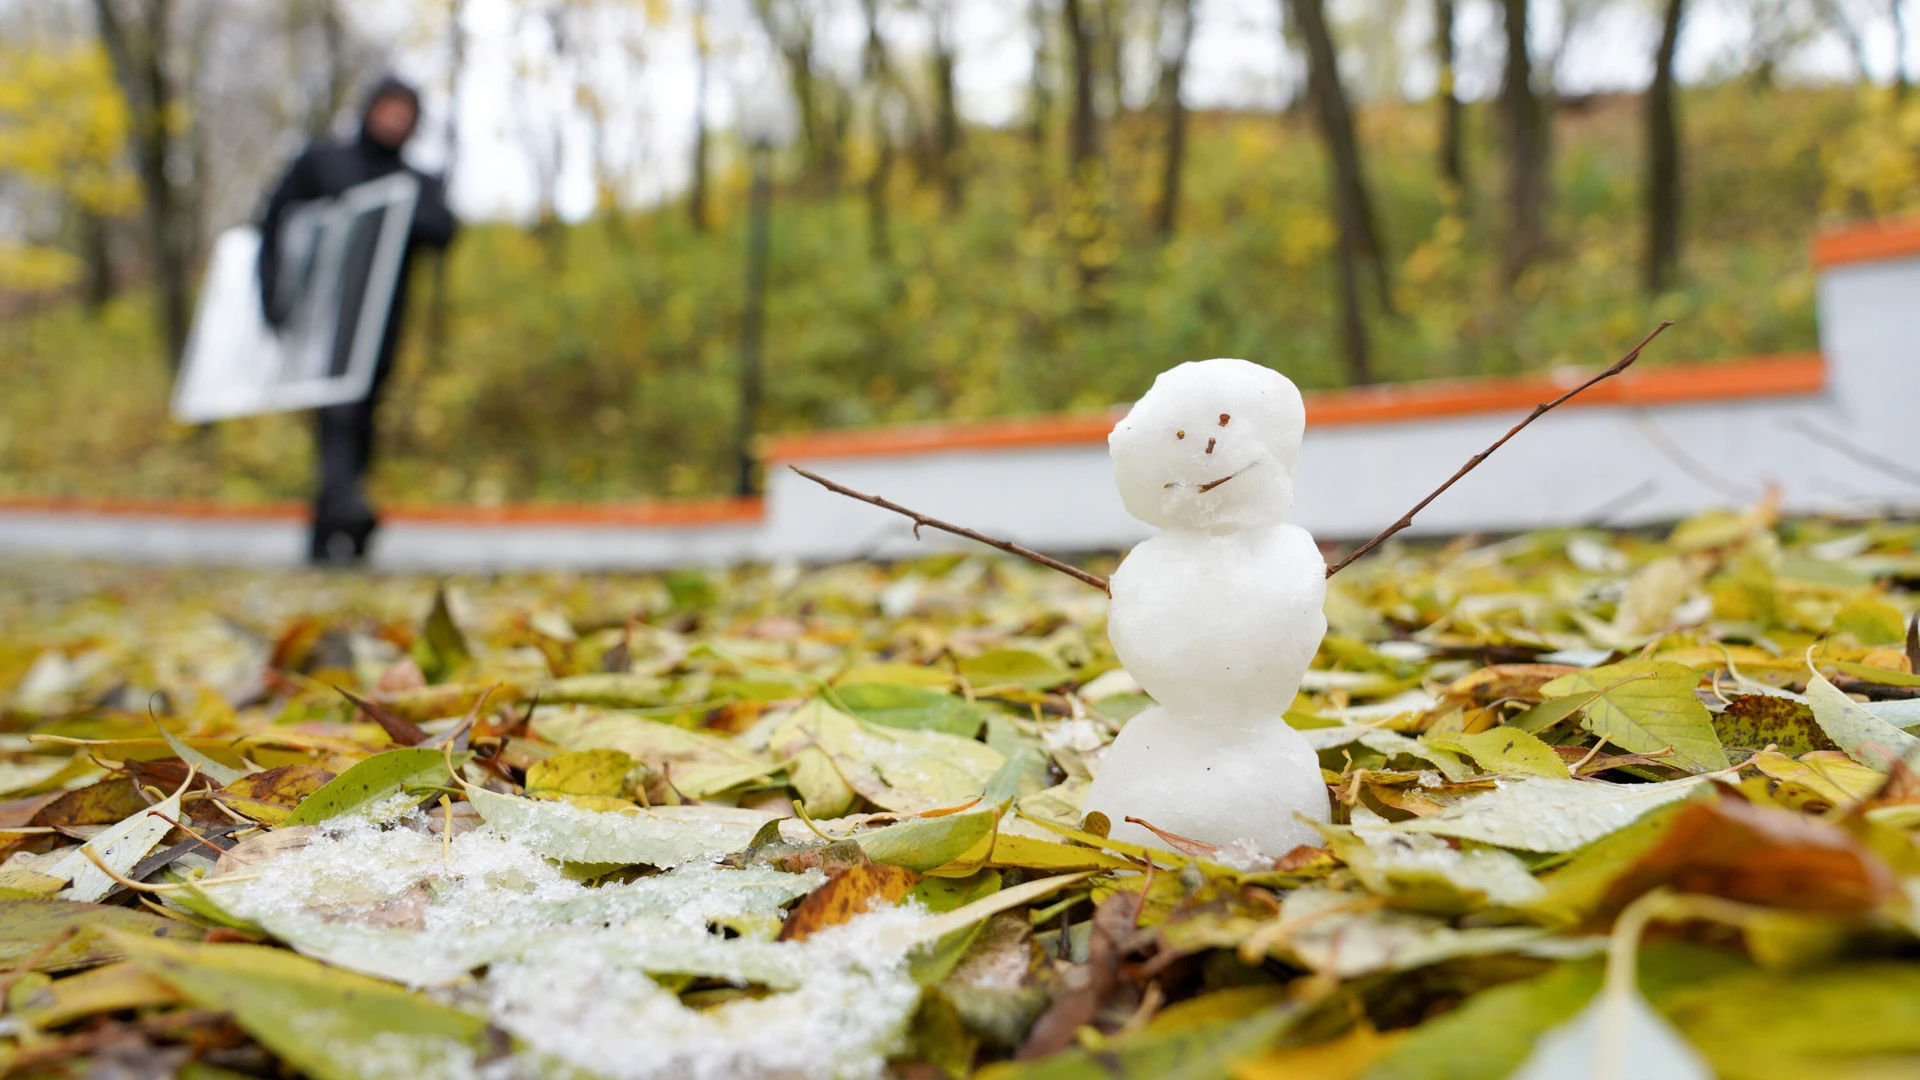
<point x="766" y="122"/>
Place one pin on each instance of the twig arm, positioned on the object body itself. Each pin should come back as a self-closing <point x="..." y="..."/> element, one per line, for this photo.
<point x="920" y="519"/>
<point x="1406" y="519"/>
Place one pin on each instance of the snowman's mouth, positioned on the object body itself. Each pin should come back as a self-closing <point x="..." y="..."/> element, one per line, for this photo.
<point x="1211" y="484"/>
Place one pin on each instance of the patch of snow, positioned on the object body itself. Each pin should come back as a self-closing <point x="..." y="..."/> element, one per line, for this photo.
<point x="581" y="1003"/>
<point x="571" y="969"/>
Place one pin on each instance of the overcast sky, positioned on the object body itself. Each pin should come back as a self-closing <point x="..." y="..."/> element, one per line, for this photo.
<point x="516" y="96"/>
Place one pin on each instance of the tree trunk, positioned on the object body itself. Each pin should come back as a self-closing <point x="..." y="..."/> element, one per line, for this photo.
<point x="697" y="189"/>
<point x="1663" y="162"/>
<point x="333" y="33"/>
<point x="1083" y="133"/>
<point x="1107" y="32"/>
<point x="1453" y="165"/>
<point x="139" y="62"/>
<point x="1039" y="94"/>
<point x="947" y="114"/>
<point x="879" y="81"/>
<point x="1172" y="74"/>
<point x="1900" y="83"/>
<point x="879" y="236"/>
<point x="1527" y="150"/>
<point x="99" y="261"/>
<point x="1352" y="205"/>
<point x="753" y="322"/>
<point x="437" y="313"/>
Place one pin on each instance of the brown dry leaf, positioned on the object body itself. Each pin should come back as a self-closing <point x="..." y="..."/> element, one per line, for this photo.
<point x="270" y="795"/>
<point x="402" y="731"/>
<point x="1735" y="849"/>
<point x="1500" y="682"/>
<point x="104" y="803"/>
<point x="1901" y="789"/>
<point x="1089" y="986"/>
<point x="849" y="892"/>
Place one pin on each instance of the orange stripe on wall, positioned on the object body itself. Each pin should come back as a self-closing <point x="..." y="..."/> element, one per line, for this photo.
<point x="1769" y="376"/>
<point x="1867" y="243"/>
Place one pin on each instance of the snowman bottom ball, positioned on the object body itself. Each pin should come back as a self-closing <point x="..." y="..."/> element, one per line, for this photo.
<point x="1248" y="782"/>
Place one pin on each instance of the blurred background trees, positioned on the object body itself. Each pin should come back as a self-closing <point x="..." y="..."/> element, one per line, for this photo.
<point x="989" y="206"/>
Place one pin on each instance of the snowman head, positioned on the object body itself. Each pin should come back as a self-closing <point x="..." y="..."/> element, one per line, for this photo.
<point x="1211" y="447"/>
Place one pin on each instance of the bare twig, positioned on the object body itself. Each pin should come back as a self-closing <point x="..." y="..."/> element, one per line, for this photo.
<point x="920" y="519"/>
<point x="1845" y="446"/>
<point x="1538" y="411"/>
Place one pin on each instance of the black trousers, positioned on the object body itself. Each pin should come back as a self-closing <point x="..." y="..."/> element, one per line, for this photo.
<point x="343" y="520"/>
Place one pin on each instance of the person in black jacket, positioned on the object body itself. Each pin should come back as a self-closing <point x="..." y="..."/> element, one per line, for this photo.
<point x="343" y="521"/>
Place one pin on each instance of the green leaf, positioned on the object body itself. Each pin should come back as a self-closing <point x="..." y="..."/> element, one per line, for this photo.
<point x="1536" y="814"/>
<point x="1830" y="1022"/>
<point x="441" y="650"/>
<point x="213" y="770"/>
<point x="1871" y="620"/>
<point x="1651" y="708"/>
<point x="893" y="705"/>
<point x="926" y="843"/>
<point x="903" y="771"/>
<point x="1865" y="737"/>
<point x="1550" y="712"/>
<point x="1013" y="667"/>
<point x="27" y="926"/>
<point x="1507" y="750"/>
<point x="664" y="836"/>
<point x="1576" y="888"/>
<point x="1493" y="1032"/>
<point x="369" y="785"/>
<point x="330" y="1024"/>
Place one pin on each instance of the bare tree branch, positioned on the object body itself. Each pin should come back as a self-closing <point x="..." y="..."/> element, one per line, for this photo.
<point x="920" y="519"/>
<point x="1406" y="519"/>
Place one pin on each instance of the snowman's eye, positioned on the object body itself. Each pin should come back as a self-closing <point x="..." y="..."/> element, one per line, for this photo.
<point x="1179" y="434"/>
<point x="1224" y="418"/>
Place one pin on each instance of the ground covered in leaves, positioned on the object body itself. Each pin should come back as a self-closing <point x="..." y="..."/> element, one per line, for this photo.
<point x="1606" y="805"/>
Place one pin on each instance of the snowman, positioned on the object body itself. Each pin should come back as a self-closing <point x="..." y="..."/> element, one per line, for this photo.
<point x="1217" y="616"/>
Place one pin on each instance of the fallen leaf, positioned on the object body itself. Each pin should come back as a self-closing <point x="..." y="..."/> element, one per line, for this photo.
<point x="270" y="796"/>
<point x="1650" y="707"/>
<point x="76" y="932"/>
<point x="331" y="1024"/>
<point x="1865" y="737"/>
<point x="850" y="892"/>
<point x="120" y="847"/>
<point x="375" y="786"/>
<point x="1535" y="814"/>
<point x="1755" y="721"/>
<point x="1509" y="751"/>
<point x="1731" y="848"/>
